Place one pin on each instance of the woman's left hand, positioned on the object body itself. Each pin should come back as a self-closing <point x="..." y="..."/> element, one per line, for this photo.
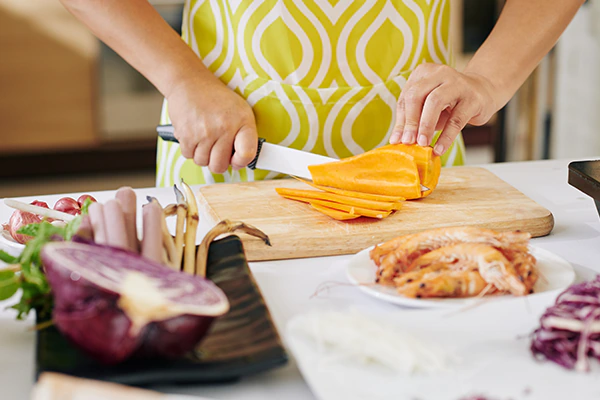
<point x="438" y="97"/>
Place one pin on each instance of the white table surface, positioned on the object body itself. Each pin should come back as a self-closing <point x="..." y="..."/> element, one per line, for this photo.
<point x="288" y="287"/>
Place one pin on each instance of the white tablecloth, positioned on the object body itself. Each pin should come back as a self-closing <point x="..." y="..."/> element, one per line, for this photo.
<point x="289" y="287"/>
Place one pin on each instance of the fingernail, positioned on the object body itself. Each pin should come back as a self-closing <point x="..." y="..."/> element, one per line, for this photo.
<point x="409" y="137"/>
<point x="422" y="140"/>
<point x="439" y="149"/>
<point x="395" y="138"/>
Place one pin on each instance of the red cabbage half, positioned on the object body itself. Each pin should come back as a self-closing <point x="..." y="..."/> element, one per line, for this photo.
<point x="114" y="304"/>
<point x="569" y="332"/>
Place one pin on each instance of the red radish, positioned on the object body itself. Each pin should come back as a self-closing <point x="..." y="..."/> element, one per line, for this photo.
<point x="68" y="205"/>
<point x="17" y="220"/>
<point x="39" y="203"/>
<point x="82" y="198"/>
<point x="114" y="304"/>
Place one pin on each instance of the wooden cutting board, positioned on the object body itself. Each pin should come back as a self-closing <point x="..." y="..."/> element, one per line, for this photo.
<point x="465" y="196"/>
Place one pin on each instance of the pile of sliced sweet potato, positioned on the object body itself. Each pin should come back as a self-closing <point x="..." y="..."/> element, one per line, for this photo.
<point x="373" y="184"/>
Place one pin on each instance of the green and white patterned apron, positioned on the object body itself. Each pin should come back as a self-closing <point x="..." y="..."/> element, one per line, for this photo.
<point x="321" y="76"/>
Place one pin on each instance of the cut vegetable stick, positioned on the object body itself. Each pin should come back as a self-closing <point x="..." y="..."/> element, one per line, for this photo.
<point x="397" y="206"/>
<point x="152" y="246"/>
<point x="364" y="212"/>
<point x="181" y="217"/>
<point x="169" y="252"/>
<point x="170" y="210"/>
<point x="225" y="226"/>
<point x="335" y="214"/>
<point x="180" y="223"/>
<point x="128" y="200"/>
<point x="351" y="193"/>
<point x="96" y="213"/>
<point x="165" y="256"/>
<point x="191" y="226"/>
<point x="337" y="198"/>
<point x="169" y="245"/>
<point x="44" y="212"/>
<point x="114" y="221"/>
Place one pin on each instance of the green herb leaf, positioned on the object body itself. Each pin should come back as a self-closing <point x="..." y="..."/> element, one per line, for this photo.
<point x="71" y="229"/>
<point x="30" y="229"/>
<point x="35" y="290"/>
<point x="85" y="206"/>
<point x="9" y="284"/>
<point x="7" y="258"/>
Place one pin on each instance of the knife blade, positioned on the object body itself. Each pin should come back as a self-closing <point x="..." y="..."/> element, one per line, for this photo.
<point x="272" y="157"/>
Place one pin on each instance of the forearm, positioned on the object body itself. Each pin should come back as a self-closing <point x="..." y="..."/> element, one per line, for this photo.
<point x="525" y="32"/>
<point x="137" y="32"/>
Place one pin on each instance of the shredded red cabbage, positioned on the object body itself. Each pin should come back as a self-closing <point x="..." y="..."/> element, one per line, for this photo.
<point x="569" y="332"/>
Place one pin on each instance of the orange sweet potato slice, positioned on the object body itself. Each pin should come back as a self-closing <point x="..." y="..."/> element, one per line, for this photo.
<point x="428" y="164"/>
<point x="381" y="171"/>
<point x="364" y="212"/>
<point x="434" y="178"/>
<point x="397" y="206"/>
<point x="335" y="214"/>
<point x="336" y="198"/>
<point x="352" y="193"/>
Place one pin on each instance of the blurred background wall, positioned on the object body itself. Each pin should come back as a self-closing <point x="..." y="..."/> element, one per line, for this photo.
<point x="68" y="102"/>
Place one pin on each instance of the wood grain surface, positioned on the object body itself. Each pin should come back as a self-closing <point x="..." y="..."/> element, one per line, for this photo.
<point x="469" y="196"/>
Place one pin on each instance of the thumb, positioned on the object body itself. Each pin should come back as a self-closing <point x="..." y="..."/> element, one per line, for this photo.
<point x="244" y="147"/>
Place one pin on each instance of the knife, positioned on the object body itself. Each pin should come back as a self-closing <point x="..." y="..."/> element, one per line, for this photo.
<point x="272" y="157"/>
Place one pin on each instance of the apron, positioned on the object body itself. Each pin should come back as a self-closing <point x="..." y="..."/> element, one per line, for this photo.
<point x="321" y="76"/>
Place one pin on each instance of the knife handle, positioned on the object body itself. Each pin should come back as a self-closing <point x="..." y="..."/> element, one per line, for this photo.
<point x="167" y="132"/>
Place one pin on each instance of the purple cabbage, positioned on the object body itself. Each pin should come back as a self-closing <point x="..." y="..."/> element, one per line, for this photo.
<point x="569" y="332"/>
<point x="114" y="304"/>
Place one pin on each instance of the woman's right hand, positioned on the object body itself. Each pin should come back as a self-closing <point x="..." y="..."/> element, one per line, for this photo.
<point x="211" y="123"/>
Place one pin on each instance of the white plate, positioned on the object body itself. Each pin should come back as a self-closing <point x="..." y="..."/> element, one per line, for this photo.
<point x="8" y="244"/>
<point x="555" y="274"/>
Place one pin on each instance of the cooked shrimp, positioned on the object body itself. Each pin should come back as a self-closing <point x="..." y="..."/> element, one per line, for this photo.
<point x="491" y="264"/>
<point x="423" y="242"/>
<point x="420" y="274"/>
<point x="445" y="283"/>
<point x="525" y="265"/>
<point x="389" y="268"/>
<point x="380" y="250"/>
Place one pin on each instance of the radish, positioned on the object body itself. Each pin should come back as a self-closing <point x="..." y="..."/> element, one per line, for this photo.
<point x="81" y="199"/>
<point x="17" y="220"/>
<point x="68" y="205"/>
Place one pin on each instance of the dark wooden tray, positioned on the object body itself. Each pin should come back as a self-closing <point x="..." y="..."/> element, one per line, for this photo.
<point x="242" y="342"/>
<point x="585" y="176"/>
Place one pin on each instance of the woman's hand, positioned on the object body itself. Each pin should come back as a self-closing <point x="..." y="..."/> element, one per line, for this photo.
<point x="211" y="122"/>
<point x="437" y="97"/>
